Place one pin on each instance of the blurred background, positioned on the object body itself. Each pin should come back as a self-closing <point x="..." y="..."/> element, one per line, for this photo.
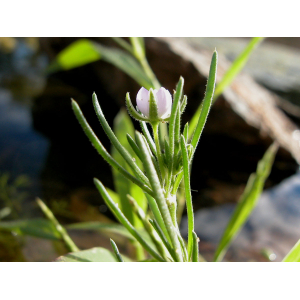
<point x="44" y="152"/>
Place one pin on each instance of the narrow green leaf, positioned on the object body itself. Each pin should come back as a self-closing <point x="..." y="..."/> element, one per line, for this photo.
<point x="206" y="101"/>
<point x="163" y="238"/>
<point x="77" y="54"/>
<point x="123" y="220"/>
<point x="97" y="254"/>
<point x="228" y="77"/>
<point x="85" y="51"/>
<point x="186" y="131"/>
<point x="123" y="126"/>
<point x="195" y="255"/>
<point x="247" y="201"/>
<point x="183" y="104"/>
<point x="188" y="195"/>
<point x="294" y="254"/>
<point x="60" y="229"/>
<point x="237" y="66"/>
<point x="102" y="151"/>
<point x="134" y="146"/>
<point x="116" y="143"/>
<point x="116" y="251"/>
<point x="138" y="47"/>
<point x="35" y="227"/>
<point x="125" y="45"/>
<point x="173" y="117"/>
<point x="148" y="137"/>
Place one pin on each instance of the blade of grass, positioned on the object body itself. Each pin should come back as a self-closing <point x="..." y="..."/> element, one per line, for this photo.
<point x="123" y="220"/>
<point x="247" y="201"/>
<point x="294" y="254"/>
<point x="236" y="66"/>
<point x="62" y="231"/>
<point x="228" y="77"/>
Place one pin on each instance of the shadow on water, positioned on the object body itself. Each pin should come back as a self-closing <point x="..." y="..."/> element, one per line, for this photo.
<point x="41" y="141"/>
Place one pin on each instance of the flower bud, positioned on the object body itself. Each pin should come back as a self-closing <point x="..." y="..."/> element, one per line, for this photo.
<point x="163" y="100"/>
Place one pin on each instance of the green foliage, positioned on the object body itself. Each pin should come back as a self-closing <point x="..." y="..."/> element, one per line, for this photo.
<point x="35" y="227"/>
<point x="85" y="51"/>
<point x="97" y="254"/>
<point x="122" y="126"/>
<point x="229" y="76"/>
<point x="294" y="254"/>
<point x="247" y="201"/>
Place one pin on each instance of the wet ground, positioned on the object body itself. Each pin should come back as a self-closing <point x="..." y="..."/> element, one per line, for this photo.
<point x="36" y="161"/>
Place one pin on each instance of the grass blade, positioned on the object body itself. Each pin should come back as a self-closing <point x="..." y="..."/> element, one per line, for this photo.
<point x="294" y="254"/>
<point x="236" y="66"/>
<point x="123" y="220"/>
<point x="247" y="201"/>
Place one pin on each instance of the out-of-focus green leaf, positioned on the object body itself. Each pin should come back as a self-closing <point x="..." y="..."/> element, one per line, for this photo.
<point x="228" y="77"/>
<point x="96" y="254"/>
<point x="110" y="228"/>
<point x="77" y="54"/>
<point x="247" y="201"/>
<point x="294" y="254"/>
<point x="84" y="51"/>
<point x="122" y="126"/>
<point x="102" y="227"/>
<point x="237" y="66"/>
<point x="114" y="196"/>
<point x="36" y="227"/>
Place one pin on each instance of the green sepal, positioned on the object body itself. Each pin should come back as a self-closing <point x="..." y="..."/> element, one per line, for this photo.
<point x="153" y="111"/>
<point x="132" y="111"/>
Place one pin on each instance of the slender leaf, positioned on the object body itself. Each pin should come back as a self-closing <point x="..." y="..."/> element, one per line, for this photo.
<point x="35" y="227"/>
<point x="195" y="255"/>
<point x="97" y="254"/>
<point x="294" y="254"/>
<point x="237" y="66"/>
<point x="228" y="77"/>
<point x="114" y="140"/>
<point x="85" y="51"/>
<point x="102" y="151"/>
<point x="188" y="195"/>
<point x="247" y="201"/>
<point x="123" y="220"/>
<point x="116" y="251"/>
<point x="122" y="127"/>
<point x="206" y="101"/>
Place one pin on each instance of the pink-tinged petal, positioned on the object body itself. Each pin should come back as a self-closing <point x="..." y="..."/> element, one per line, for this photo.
<point x="142" y="101"/>
<point x="164" y="103"/>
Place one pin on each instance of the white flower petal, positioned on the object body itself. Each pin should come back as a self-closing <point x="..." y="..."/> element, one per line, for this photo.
<point x="142" y="101"/>
<point x="164" y="103"/>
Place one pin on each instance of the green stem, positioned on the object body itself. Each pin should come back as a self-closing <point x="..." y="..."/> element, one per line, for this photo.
<point x="116" y="251"/>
